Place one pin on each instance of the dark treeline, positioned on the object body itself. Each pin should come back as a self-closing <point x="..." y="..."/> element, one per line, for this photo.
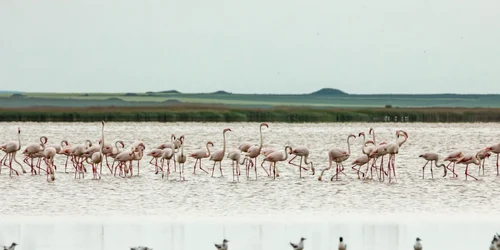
<point x="220" y="114"/>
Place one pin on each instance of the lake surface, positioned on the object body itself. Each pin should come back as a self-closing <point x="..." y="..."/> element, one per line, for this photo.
<point x="203" y="196"/>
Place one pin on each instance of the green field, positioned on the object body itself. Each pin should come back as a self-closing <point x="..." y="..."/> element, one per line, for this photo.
<point x="321" y="99"/>
<point x="326" y="105"/>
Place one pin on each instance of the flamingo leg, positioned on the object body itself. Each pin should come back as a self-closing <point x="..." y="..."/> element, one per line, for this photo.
<point x="213" y="169"/>
<point x="220" y="168"/>
<point x="202" y="168"/>
<point x="467" y="172"/>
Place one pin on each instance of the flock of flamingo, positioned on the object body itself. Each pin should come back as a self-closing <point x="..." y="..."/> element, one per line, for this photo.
<point x="81" y="156"/>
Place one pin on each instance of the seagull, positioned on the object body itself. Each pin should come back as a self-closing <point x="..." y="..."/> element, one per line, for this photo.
<point x="222" y="246"/>
<point x="300" y="245"/>
<point x="141" y="248"/>
<point x="12" y="246"/>
<point x="342" y="245"/>
<point x="493" y="245"/>
<point x="418" y="245"/>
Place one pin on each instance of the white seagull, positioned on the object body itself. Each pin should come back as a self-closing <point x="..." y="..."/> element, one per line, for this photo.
<point x="222" y="246"/>
<point x="12" y="246"/>
<point x="342" y="245"/>
<point x="418" y="245"/>
<point x="300" y="245"/>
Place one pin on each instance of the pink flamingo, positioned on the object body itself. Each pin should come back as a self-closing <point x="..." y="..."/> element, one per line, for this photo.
<point x="254" y="151"/>
<point x="275" y="157"/>
<point x="393" y="150"/>
<point x="469" y="159"/>
<point x="496" y="150"/>
<point x="34" y="148"/>
<point x="200" y="154"/>
<point x="367" y="150"/>
<point x="338" y="156"/>
<point x="49" y="153"/>
<point x="10" y="149"/>
<point x="218" y="155"/>
<point x="98" y="156"/>
<point x="173" y="145"/>
<point x="235" y="156"/>
<point x="363" y="159"/>
<point x="431" y="157"/>
<point x="155" y="154"/>
<point x="181" y="159"/>
<point x="453" y="158"/>
<point x="166" y="154"/>
<point x="123" y="158"/>
<point x="483" y="154"/>
<point x="303" y="152"/>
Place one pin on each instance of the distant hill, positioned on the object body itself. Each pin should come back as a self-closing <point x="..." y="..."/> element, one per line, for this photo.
<point x="329" y="92"/>
<point x="221" y="92"/>
<point x="9" y="92"/>
<point x="170" y="92"/>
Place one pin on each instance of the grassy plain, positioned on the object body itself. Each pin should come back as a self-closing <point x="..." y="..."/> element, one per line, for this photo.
<point x="327" y="105"/>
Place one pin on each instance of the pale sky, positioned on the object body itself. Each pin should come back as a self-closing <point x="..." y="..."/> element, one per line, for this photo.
<point x="257" y="46"/>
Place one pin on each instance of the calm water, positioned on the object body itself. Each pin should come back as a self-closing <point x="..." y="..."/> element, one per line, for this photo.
<point x="201" y="195"/>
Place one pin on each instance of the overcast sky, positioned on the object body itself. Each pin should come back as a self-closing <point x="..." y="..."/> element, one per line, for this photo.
<point x="257" y="46"/>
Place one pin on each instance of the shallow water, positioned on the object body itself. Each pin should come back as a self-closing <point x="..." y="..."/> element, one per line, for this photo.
<point x="201" y="195"/>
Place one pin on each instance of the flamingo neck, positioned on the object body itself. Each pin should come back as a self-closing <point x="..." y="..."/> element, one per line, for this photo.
<point x="224" y="143"/>
<point x="19" y="141"/>
<point x="260" y="131"/>
<point x="102" y="140"/>
<point x="208" y="149"/>
<point x="373" y="135"/>
<point x="348" y="145"/>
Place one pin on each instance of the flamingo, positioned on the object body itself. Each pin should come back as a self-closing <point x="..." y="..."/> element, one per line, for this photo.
<point x="155" y="154"/>
<point x="432" y="157"/>
<point x="174" y="144"/>
<point x="303" y="152"/>
<point x="10" y="149"/>
<point x="393" y="150"/>
<point x="362" y="160"/>
<point x="254" y="151"/>
<point x="468" y="159"/>
<point x="339" y="156"/>
<point x="218" y="155"/>
<point x="97" y="157"/>
<point x="181" y="159"/>
<point x="496" y="150"/>
<point x="453" y="158"/>
<point x="166" y="154"/>
<point x="235" y="156"/>
<point x="275" y="157"/>
<point x="138" y="154"/>
<point x="200" y="154"/>
<point x="32" y="149"/>
<point x="77" y="154"/>
<point x="123" y="158"/>
<point x="367" y="150"/>
<point x="483" y="154"/>
<point x="49" y="153"/>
